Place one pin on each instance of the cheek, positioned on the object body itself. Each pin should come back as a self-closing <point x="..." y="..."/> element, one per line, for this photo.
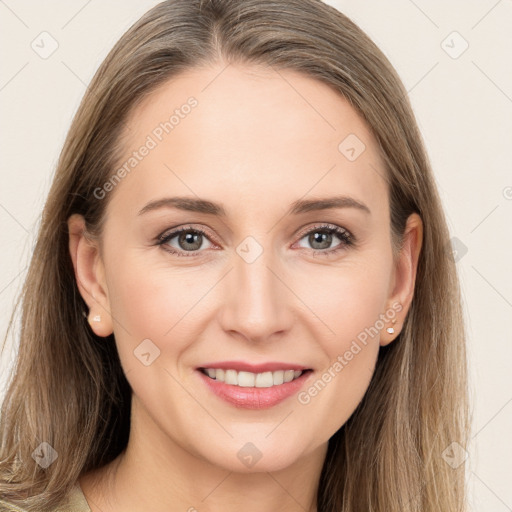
<point x="352" y="312"/>
<point x="148" y="298"/>
<point x="339" y="388"/>
<point x="144" y="306"/>
<point x="348" y="301"/>
<point x="153" y="302"/>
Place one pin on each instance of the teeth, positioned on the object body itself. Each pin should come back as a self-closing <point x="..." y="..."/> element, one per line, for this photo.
<point x="231" y="377"/>
<point x="278" y="377"/>
<point x="250" y="380"/>
<point x="264" y="380"/>
<point x="246" y="379"/>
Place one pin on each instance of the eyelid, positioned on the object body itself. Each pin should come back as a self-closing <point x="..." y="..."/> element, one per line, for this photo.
<point x="322" y="225"/>
<point x="172" y="232"/>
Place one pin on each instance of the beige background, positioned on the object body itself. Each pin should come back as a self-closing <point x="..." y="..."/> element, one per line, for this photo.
<point x="464" y="109"/>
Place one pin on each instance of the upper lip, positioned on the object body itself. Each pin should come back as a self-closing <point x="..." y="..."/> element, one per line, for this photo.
<point x="243" y="366"/>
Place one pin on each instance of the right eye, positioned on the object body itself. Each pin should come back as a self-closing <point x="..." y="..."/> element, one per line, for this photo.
<point x="188" y="240"/>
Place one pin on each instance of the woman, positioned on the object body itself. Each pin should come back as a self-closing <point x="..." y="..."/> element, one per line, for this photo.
<point x="241" y="294"/>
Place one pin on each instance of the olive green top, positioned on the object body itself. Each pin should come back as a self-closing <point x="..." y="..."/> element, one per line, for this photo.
<point x="76" y="503"/>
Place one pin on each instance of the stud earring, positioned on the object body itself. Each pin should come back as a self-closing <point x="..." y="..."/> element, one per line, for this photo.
<point x="95" y="318"/>
<point x="391" y="330"/>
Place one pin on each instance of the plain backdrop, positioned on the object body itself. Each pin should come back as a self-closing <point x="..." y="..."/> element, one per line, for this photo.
<point x="455" y="60"/>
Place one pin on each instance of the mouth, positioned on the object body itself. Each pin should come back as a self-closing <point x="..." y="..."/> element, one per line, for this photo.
<point x="254" y="390"/>
<point x="245" y="379"/>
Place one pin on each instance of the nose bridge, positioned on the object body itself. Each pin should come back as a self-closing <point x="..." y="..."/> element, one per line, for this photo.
<point x="256" y="303"/>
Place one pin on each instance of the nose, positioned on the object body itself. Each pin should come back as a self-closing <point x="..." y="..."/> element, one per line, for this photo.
<point x="257" y="305"/>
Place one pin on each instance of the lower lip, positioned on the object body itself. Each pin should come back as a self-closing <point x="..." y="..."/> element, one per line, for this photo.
<point x="254" y="398"/>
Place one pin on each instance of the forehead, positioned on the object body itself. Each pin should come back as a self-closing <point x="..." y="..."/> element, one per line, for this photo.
<point x="233" y="133"/>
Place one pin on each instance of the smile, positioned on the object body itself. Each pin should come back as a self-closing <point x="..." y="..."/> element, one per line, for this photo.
<point x="251" y="380"/>
<point x="248" y="390"/>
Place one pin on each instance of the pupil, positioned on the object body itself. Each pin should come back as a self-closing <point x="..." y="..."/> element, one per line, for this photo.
<point x="321" y="237"/>
<point x="189" y="239"/>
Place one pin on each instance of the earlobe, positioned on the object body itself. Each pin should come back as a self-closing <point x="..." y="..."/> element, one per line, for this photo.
<point x="89" y="275"/>
<point x="404" y="278"/>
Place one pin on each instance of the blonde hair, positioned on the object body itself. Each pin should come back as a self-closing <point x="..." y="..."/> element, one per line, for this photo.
<point x="68" y="387"/>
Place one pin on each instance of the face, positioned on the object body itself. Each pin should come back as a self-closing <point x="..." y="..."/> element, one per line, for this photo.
<point x="264" y="276"/>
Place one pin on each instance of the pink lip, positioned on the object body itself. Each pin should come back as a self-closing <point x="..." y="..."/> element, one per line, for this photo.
<point x="254" y="398"/>
<point x="241" y="366"/>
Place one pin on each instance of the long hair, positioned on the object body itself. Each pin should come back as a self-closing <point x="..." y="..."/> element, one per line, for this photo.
<point x="68" y="388"/>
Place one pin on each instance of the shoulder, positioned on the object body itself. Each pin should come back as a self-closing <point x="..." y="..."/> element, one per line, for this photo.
<point x="75" y="502"/>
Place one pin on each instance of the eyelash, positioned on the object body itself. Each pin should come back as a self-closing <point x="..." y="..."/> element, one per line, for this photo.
<point x="347" y="239"/>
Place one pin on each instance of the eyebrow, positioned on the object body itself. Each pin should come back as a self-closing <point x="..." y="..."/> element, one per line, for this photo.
<point x="208" y="207"/>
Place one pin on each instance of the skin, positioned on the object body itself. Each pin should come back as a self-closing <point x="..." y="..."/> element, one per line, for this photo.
<point x="257" y="141"/>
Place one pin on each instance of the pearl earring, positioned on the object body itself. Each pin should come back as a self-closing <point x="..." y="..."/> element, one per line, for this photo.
<point x="95" y="318"/>
<point x="391" y="330"/>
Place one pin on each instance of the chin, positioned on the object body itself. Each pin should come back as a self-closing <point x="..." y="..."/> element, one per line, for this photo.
<point x="257" y="456"/>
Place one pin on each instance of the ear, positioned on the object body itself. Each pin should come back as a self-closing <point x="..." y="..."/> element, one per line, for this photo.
<point x="404" y="276"/>
<point x="90" y="275"/>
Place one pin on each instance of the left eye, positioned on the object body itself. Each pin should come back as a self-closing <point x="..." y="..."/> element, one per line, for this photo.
<point x="321" y="238"/>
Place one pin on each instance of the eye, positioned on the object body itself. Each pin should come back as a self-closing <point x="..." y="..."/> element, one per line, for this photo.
<point x="188" y="240"/>
<point x="321" y="237"/>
